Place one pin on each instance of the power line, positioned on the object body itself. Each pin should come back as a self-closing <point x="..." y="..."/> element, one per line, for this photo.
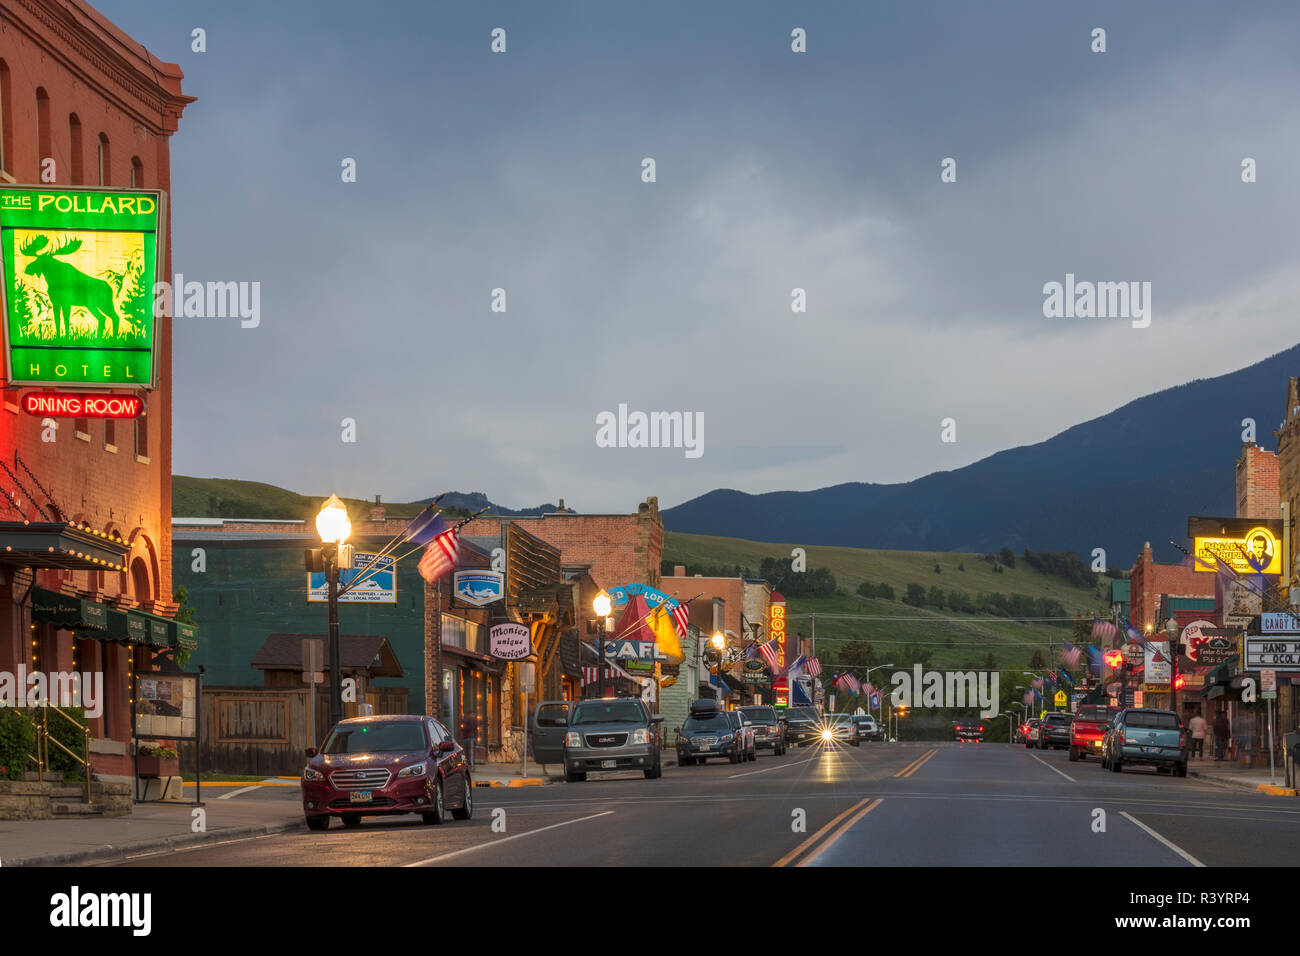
<point x="927" y="620"/>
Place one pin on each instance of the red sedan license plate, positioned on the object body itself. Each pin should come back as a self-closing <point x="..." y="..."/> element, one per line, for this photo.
<point x="360" y="796"/>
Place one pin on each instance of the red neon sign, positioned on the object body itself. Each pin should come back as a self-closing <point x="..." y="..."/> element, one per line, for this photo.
<point x="82" y="405"/>
<point x="1113" y="658"/>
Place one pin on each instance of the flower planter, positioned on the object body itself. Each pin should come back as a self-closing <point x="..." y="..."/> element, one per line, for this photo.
<point x="158" y="766"/>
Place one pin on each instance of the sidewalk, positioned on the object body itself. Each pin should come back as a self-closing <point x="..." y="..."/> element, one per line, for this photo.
<point x="151" y="826"/>
<point x="1229" y="774"/>
<point x="511" y="775"/>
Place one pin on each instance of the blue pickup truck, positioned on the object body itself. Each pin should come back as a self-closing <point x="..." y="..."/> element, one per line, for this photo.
<point x="1145" y="736"/>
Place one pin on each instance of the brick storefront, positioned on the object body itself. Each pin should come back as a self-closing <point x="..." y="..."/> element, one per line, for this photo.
<point x="76" y="90"/>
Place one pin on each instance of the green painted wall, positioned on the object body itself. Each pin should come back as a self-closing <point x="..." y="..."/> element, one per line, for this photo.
<point x="248" y="593"/>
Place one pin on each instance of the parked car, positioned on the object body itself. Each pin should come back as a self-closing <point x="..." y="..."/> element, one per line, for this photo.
<point x="709" y="732"/>
<point x="803" y="725"/>
<point x="769" y="731"/>
<point x="609" y="734"/>
<point x="1031" y="732"/>
<point x="868" y="729"/>
<point x="842" y="729"/>
<point x="1146" y="736"/>
<point x="969" y="728"/>
<point x="377" y="766"/>
<point x="1087" y="729"/>
<point x="1054" y="731"/>
<point x="749" y="746"/>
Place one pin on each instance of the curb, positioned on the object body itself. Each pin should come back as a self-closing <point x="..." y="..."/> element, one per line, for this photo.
<point x="118" y="853"/>
<point x="1267" y="788"/>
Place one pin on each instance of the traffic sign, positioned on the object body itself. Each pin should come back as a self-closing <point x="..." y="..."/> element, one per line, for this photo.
<point x="1267" y="684"/>
<point x="1060" y="699"/>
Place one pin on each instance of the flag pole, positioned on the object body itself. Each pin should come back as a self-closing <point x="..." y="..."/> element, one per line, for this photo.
<point x="388" y="549"/>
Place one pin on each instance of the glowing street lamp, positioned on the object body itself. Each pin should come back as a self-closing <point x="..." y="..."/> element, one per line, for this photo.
<point x="333" y="526"/>
<point x="601" y="605"/>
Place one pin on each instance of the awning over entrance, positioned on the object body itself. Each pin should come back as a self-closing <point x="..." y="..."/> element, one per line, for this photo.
<point x="93" y="620"/>
<point x="58" y="544"/>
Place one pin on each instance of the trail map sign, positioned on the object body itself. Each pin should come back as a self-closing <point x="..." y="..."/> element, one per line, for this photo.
<point x="78" y="292"/>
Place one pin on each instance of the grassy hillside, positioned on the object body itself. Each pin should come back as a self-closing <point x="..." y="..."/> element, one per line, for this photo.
<point x="232" y="498"/>
<point x="898" y="631"/>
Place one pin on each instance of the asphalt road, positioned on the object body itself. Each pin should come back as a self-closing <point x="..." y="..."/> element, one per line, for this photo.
<point x="947" y="804"/>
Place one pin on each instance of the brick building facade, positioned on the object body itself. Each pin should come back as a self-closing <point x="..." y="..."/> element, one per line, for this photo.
<point x="1288" y="465"/>
<point x="1257" y="483"/>
<point x="1149" y="580"/>
<point x="83" y="103"/>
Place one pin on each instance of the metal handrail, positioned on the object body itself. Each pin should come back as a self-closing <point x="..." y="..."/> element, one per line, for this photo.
<point x="44" y="737"/>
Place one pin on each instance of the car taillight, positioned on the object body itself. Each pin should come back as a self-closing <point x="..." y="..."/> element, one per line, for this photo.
<point x="981" y="726"/>
<point x="1121" y="736"/>
<point x="1182" y="740"/>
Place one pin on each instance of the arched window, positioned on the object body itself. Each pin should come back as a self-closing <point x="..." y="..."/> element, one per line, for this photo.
<point x="105" y="168"/>
<point x="141" y="590"/>
<point x="6" y="118"/>
<point x="78" y="171"/>
<point x="43" y="145"/>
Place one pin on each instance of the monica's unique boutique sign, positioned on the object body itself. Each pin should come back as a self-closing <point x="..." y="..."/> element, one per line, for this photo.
<point x="80" y="267"/>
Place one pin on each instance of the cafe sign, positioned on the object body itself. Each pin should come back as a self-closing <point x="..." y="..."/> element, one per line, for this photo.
<point x="79" y="272"/>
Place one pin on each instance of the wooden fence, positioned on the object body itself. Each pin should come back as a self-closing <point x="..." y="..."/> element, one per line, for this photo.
<point x="264" y="730"/>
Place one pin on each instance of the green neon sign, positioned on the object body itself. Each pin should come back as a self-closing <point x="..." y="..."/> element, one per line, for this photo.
<point x="79" y="272"/>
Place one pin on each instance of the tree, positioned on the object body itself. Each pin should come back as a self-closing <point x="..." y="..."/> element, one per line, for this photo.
<point x="936" y="598"/>
<point x="185" y="614"/>
<point x="989" y="663"/>
<point x="1037" y="662"/>
<point x="915" y="595"/>
<point x="1008" y="557"/>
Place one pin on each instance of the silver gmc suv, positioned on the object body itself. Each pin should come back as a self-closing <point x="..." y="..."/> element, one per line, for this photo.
<point x="612" y="733"/>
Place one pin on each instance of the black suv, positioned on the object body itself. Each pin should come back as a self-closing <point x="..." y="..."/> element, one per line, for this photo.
<point x="1054" y="732"/>
<point x="803" y="725"/>
<point x="769" y="732"/>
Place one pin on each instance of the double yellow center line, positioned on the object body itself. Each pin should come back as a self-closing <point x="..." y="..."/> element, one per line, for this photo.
<point x="916" y="764"/>
<point x="809" y="849"/>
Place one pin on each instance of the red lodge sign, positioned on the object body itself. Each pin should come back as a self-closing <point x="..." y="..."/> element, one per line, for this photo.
<point x="82" y="405"/>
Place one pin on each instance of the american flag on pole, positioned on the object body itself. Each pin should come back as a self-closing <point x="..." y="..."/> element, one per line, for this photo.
<point x="814" y="666"/>
<point x="682" y="617"/>
<point x="771" y="654"/>
<point x="440" y="555"/>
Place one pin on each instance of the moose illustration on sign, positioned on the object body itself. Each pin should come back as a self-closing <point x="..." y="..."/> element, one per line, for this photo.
<point x="70" y="287"/>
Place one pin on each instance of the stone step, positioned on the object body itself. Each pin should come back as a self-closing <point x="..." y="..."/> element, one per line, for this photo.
<point x="62" y="808"/>
<point x="68" y="790"/>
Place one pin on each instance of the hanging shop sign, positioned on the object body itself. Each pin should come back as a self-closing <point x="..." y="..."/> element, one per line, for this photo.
<point x="81" y="405"/>
<point x="1213" y="650"/>
<point x="776" y="627"/>
<point x="479" y="587"/>
<point x="1157" y="669"/>
<point x="379" y="587"/>
<point x="1245" y="545"/>
<point x="620" y="595"/>
<point x="510" y="642"/>
<point x="80" y="267"/>
<point x="754" y="671"/>
<point x="1275" y="622"/>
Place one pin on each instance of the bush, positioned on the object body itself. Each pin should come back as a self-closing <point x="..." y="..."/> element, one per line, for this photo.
<point x="936" y="598"/>
<point x="17" y="743"/>
<point x="72" y="738"/>
<point x="915" y="595"/>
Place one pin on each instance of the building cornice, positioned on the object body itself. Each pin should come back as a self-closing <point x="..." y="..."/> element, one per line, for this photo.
<point x="88" y="45"/>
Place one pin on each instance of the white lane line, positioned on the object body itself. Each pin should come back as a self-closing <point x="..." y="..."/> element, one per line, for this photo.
<point x="750" y="773"/>
<point x="1173" y="846"/>
<point x="235" y="793"/>
<point x="1053" y="769"/>
<point x="483" y="846"/>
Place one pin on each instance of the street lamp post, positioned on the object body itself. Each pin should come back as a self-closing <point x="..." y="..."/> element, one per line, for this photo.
<point x="1171" y="628"/>
<point x="601" y="605"/>
<point x="718" y="642"/>
<point x="333" y="526"/>
<point x="882" y="696"/>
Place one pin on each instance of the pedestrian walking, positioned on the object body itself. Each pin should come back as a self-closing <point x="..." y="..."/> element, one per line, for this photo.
<point x="1221" y="730"/>
<point x="1197" y="726"/>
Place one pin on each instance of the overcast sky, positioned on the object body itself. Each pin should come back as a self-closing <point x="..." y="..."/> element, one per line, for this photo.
<point x="775" y="170"/>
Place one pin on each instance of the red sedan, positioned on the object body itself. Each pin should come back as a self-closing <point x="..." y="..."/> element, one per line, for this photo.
<point x="376" y="766"/>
